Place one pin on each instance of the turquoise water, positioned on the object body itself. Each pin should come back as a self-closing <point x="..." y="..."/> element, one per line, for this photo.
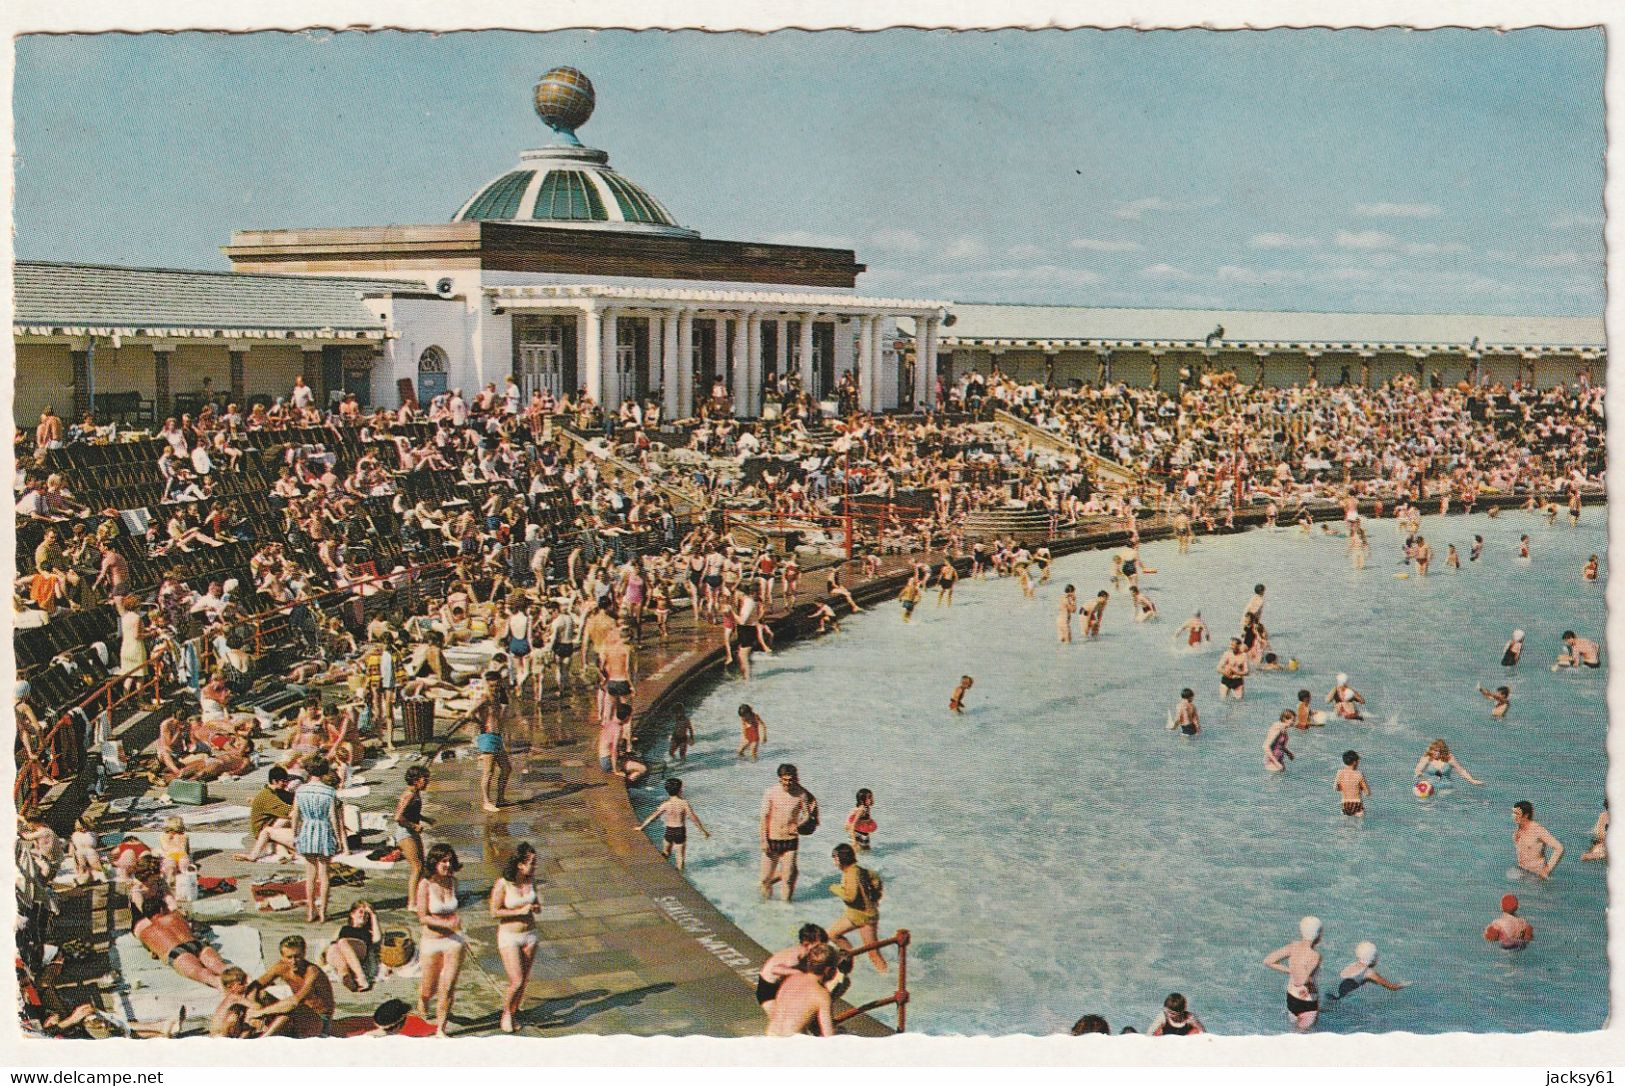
<point x="1057" y="851"/>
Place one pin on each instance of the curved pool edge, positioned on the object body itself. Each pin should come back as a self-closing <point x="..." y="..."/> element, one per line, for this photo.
<point x="691" y="909"/>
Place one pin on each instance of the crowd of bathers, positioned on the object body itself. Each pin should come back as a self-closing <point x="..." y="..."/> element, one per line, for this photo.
<point x="569" y="551"/>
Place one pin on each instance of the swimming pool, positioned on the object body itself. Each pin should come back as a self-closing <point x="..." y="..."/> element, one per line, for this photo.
<point x="1057" y="851"/>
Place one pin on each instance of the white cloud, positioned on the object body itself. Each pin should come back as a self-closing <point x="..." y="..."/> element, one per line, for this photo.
<point x="1137" y="209"/>
<point x="807" y="237"/>
<point x="1396" y="211"/>
<point x="1345" y="275"/>
<point x="1042" y="274"/>
<point x="1233" y="273"/>
<point x="961" y="250"/>
<point x="1276" y="240"/>
<point x="1433" y="248"/>
<point x="890" y="237"/>
<point x="1556" y="260"/>
<point x="1166" y="271"/>
<point x="1103" y="245"/>
<point x="1363" y="239"/>
<point x="1024" y="252"/>
<point x="1570" y="220"/>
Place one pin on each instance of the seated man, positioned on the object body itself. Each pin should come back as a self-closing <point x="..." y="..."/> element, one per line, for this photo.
<point x="270" y="817"/>
<point x="309" y="1010"/>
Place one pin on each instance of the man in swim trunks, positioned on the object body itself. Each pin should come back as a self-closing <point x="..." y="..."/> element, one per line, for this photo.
<point x="786" y="962"/>
<point x="910" y="598"/>
<point x="309" y="1010"/>
<point x="1351" y="785"/>
<point x="1578" y="652"/>
<point x="785" y="806"/>
<point x="615" y="657"/>
<point x="1300" y="961"/>
<point x="1233" y="671"/>
<point x="1531" y="840"/>
<point x="1509" y="929"/>
<point x="1195" y="630"/>
<point x="803" y="997"/>
<point x="1255" y="606"/>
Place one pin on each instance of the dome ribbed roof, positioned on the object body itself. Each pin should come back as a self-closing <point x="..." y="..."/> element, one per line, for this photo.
<point x="570" y="187"/>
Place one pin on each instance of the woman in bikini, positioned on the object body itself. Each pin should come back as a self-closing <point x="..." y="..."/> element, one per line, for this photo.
<point x="164" y="931"/>
<point x="440" y="939"/>
<point x="514" y="905"/>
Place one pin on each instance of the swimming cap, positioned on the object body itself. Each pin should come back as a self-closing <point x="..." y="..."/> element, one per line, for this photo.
<point x="1309" y="928"/>
<point x="1517" y="635"/>
<point x="1509" y="903"/>
<point x="23" y="689"/>
<point x="1341" y="678"/>
<point x="1366" y="953"/>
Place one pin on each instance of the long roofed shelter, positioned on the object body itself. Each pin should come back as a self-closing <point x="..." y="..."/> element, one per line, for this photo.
<point x="1155" y="346"/>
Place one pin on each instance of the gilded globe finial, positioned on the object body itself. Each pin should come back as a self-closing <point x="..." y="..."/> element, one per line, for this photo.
<point x="564" y="101"/>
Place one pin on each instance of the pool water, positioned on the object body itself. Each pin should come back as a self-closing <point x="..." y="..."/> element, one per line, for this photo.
<point x="1057" y="851"/>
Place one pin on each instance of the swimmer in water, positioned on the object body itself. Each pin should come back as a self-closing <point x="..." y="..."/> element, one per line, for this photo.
<point x="947" y="575"/>
<point x="1351" y="785"/>
<point x="1509" y="930"/>
<point x="957" y="702"/>
<point x="1478" y="546"/>
<point x="1590" y="571"/>
<point x="1094" y="613"/>
<point x="1144" y="609"/>
<point x="1185" y="717"/>
<point x="1275" y="741"/>
<point x="1451" y="558"/>
<point x="1599" y="837"/>
<point x="1233" y="671"/>
<point x="1064" y="612"/>
<point x="1423" y="553"/>
<point x="1501" y="696"/>
<point x="1577" y="652"/>
<point x="1303" y="716"/>
<point x="1345" y="700"/>
<point x="1513" y="652"/>
<point x="1360" y="972"/>
<point x="1438" y="762"/>
<point x="1530" y="840"/>
<point x="910" y="599"/>
<point x="1300" y="960"/>
<point x="1523" y="547"/>
<point x="1195" y="630"/>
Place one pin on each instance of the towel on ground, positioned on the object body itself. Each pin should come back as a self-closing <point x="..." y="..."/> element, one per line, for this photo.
<point x="154" y="992"/>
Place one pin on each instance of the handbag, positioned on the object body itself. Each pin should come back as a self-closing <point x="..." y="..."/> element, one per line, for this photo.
<point x="809" y="825"/>
<point x="396" y="949"/>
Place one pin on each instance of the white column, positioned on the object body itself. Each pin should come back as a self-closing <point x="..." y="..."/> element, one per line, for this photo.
<point x="685" y="363"/>
<point x="611" y="378"/>
<point x="863" y="365"/>
<point x="741" y="387"/>
<point x="720" y="354"/>
<point x="806" y="345"/>
<point x="753" y="364"/>
<point x="846" y="355"/>
<point x="670" y="367"/>
<point x="781" y="348"/>
<point x="654" y="364"/>
<point x="877" y="363"/>
<point x="590" y="354"/>
<point x="925" y="362"/>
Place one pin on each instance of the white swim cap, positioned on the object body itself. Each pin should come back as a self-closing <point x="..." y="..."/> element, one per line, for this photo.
<point x="1517" y="635"/>
<point x="1366" y="953"/>
<point x="1341" y="678"/>
<point x="231" y="585"/>
<point x="23" y="689"/>
<point x="1309" y="928"/>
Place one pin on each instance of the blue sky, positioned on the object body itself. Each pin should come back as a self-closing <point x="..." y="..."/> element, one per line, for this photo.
<point x="1386" y="171"/>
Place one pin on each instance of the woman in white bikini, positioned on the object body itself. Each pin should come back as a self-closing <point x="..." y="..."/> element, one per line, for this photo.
<point x="514" y="905"/>
<point x="441" y="942"/>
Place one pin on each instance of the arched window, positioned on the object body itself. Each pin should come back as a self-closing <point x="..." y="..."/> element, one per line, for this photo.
<point x="432" y="366"/>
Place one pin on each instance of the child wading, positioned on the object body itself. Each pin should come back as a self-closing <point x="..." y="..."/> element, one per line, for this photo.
<point x="675" y="813"/>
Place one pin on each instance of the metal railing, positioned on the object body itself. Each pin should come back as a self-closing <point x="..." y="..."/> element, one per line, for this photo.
<point x="898" y="998"/>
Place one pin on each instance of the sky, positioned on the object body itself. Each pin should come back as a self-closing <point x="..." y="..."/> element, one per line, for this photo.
<point x="1314" y="170"/>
